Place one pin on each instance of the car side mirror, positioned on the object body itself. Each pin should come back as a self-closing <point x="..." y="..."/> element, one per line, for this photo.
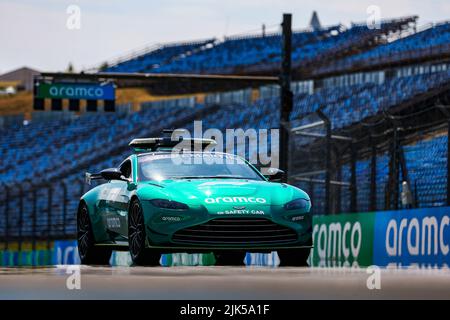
<point x="275" y="174"/>
<point x="112" y="174"/>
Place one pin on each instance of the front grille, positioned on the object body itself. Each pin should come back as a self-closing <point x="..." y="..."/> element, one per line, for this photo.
<point x="236" y="231"/>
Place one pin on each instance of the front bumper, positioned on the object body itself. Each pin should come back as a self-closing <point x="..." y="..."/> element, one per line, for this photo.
<point x="164" y="227"/>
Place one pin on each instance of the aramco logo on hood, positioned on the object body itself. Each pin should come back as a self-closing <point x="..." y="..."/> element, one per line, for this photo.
<point x="235" y="200"/>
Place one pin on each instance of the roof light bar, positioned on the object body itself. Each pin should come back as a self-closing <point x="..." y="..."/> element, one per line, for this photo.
<point x="153" y="144"/>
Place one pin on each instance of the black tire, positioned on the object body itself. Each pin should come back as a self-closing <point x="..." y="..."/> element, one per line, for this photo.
<point x="89" y="253"/>
<point x="231" y="258"/>
<point x="140" y="255"/>
<point x="294" y="257"/>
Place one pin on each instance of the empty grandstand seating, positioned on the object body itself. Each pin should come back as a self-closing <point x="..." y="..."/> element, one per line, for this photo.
<point x="426" y="161"/>
<point x="157" y="57"/>
<point x="239" y="52"/>
<point x="257" y="53"/>
<point x="43" y="151"/>
<point x="434" y="40"/>
<point x="363" y="168"/>
<point x="348" y="105"/>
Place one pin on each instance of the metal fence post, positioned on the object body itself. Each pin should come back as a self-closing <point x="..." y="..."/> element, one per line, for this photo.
<point x="286" y="96"/>
<point x="395" y="171"/>
<point x="311" y="192"/>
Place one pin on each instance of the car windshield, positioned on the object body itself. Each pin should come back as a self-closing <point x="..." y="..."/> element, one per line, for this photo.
<point x="194" y="166"/>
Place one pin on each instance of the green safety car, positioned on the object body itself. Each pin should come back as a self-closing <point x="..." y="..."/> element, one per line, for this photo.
<point x="163" y="199"/>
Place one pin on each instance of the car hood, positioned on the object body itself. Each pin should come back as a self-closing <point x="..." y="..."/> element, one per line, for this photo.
<point x="214" y="192"/>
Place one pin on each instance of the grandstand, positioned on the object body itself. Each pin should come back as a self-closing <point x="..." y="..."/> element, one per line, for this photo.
<point x="384" y="89"/>
<point x="256" y="54"/>
<point x="157" y="56"/>
<point x="432" y="41"/>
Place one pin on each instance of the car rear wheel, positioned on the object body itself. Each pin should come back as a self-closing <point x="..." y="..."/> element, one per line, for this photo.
<point x="89" y="253"/>
<point x="136" y="238"/>
<point x="231" y="258"/>
<point x="294" y="257"/>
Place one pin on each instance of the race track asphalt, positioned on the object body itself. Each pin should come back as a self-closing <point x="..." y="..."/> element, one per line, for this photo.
<point x="216" y="282"/>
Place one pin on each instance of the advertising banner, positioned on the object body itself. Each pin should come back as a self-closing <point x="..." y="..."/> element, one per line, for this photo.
<point x="76" y="91"/>
<point x="24" y="255"/>
<point x="413" y="237"/>
<point x="344" y="240"/>
<point x="399" y="238"/>
<point x="65" y="252"/>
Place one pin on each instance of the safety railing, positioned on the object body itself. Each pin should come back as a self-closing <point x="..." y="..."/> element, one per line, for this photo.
<point x="34" y="213"/>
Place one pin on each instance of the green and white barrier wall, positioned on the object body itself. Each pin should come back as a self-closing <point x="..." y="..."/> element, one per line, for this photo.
<point x="387" y="238"/>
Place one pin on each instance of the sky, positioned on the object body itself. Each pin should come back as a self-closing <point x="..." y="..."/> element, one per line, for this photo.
<point x="49" y="34"/>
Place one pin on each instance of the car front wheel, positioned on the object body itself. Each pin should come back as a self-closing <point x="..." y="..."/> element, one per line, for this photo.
<point x="89" y="253"/>
<point x="136" y="238"/>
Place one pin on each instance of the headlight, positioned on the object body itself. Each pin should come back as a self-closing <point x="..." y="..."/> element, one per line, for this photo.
<point x="296" y="204"/>
<point x="167" y="204"/>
